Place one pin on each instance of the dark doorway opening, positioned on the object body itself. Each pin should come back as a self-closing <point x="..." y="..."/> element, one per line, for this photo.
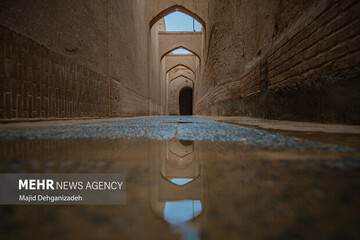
<point x="186" y="101"/>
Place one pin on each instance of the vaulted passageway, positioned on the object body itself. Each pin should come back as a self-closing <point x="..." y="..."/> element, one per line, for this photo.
<point x="225" y="119"/>
<point x="106" y="59"/>
<point x="174" y="49"/>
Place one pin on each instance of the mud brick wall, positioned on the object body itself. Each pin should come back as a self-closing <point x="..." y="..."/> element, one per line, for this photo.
<point x="300" y="61"/>
<point x="86" y="42"/>
<point x="328" y="43"/>
<point x="39" y="83"/>
<point x="115" y="98"/>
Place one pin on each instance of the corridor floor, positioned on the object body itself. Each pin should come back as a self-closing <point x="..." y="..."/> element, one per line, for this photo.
<point x="188" y="178"/>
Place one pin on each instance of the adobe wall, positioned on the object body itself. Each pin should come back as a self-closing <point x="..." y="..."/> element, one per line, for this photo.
<point x="73" y="58"/>
<point x="154" y="68"/>
<point x="296" y="60"/>
<point x="39" y="83"/>
<point x="128" y="57"/>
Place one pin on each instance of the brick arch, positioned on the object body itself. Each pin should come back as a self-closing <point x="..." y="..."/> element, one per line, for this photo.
<point x="175" y="8"/>
<point x="174" y="48"/>
<point x="188" y="74"/>
<point x="183" y="77"/>
<point x="186" y="61"/>
<point x="181" y="65"/>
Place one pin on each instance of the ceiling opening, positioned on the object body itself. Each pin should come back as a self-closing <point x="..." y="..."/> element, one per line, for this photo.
<point x="181" y="51"/>
<point x="181" y="22"/>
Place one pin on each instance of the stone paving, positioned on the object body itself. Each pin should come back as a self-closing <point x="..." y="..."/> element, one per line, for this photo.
<point x="161" y="128"/>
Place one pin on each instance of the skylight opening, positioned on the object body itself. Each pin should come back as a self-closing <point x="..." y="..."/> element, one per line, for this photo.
<point x="181" y="22"/>
<point x="181" y="51"/>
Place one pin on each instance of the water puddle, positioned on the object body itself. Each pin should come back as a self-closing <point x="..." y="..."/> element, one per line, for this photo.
<point x="184" y="189"/>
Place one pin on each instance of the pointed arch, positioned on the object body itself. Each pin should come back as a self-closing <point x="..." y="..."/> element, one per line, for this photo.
<point x="175" y="8"/>
<point x="174" y="60"/>
<point x="169" y="51"/>
<point x="183" y="77"/>
<point x="181" y="65"/>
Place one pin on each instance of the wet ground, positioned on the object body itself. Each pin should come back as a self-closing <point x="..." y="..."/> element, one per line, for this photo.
<point x="189" y="178"/>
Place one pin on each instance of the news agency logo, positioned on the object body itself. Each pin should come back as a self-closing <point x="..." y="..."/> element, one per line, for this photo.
<point x="63" y="189"/>
<point x="49" y="184"/>
<point x="36" y="184"/>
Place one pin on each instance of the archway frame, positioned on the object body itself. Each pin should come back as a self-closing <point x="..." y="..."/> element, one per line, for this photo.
<point x="180" y="65"/>
<point x="178" y="47"/>
<point x="177" y="8"/>
<point x="183" y="77"/>
<point x="159" y="15"/>
<point x="186" y="60"/>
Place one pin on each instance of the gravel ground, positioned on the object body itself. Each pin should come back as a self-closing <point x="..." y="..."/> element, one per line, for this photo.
<point x="160" y="128"/>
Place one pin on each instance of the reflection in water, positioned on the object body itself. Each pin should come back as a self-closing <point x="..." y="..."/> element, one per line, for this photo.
<point x="179" y="153"/>
<point x="187" y="142"/>
<point x="176" y="212"/>
<point x="202" y="190"/>
<point x="180" y="181"/>
<point x="178" y="187"/>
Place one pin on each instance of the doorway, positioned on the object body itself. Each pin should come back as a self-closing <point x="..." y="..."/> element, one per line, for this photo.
<point x="186" y="101"/>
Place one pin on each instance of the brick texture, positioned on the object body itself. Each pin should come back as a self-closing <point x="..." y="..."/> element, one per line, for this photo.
<point x="39" y="83"/>
<point x="324" y="41"/>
